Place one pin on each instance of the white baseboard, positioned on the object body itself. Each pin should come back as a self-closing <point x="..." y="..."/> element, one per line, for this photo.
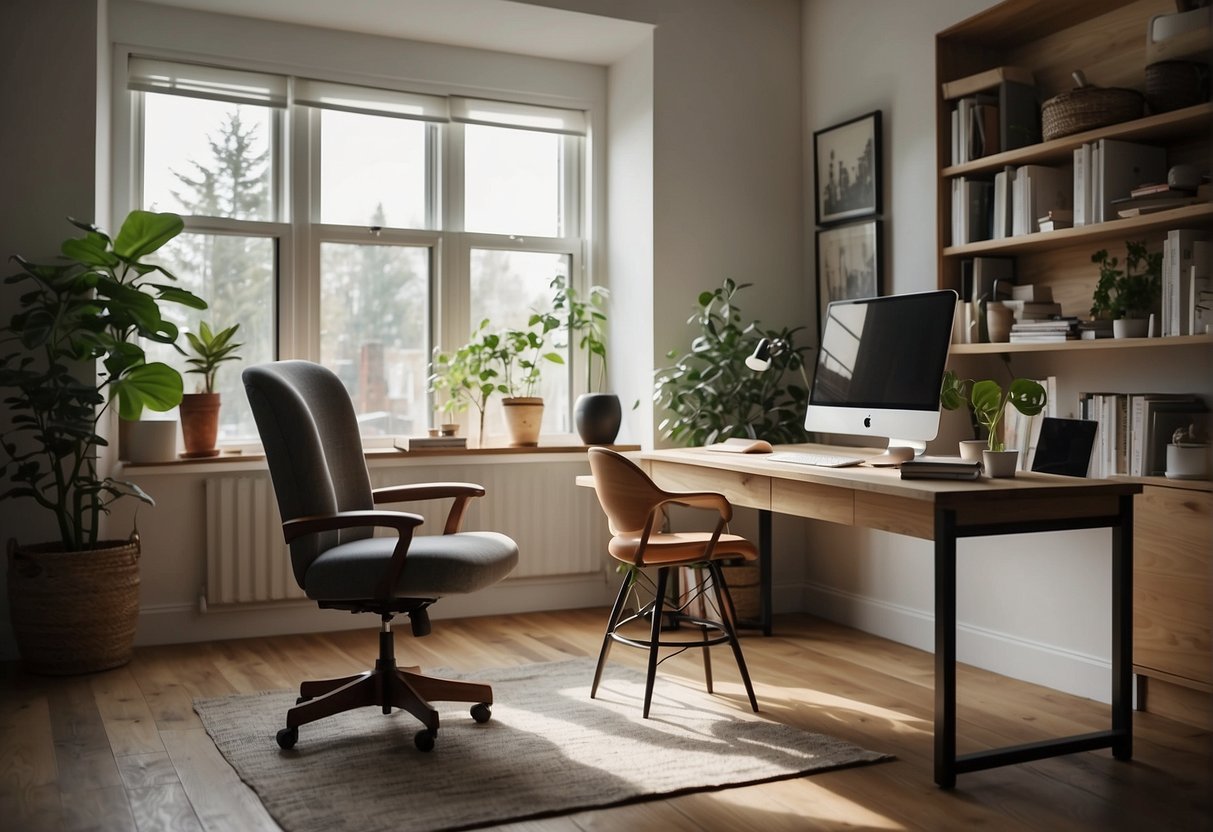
<point x="1056" y="667"/>
<point x="180" y="623"/>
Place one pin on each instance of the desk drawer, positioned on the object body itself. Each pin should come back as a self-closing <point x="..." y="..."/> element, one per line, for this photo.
<point x="808" y="499"/>
<point x="749" y="490"/>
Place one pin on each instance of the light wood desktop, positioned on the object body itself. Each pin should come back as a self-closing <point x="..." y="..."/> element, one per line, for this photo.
<point x="942" y="511"/>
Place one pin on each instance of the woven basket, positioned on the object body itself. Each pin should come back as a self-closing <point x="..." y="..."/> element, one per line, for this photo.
<point x="1086" y="108"/>
<point x="1172" y="85"/>
<point x="74" y="612"/>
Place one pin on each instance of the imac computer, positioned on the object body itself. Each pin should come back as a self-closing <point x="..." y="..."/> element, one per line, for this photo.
<point x="879" y="370"/>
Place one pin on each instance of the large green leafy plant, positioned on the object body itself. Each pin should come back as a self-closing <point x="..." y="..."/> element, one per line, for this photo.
<point x="73" y="350"/>
<point x="711" y="395"/>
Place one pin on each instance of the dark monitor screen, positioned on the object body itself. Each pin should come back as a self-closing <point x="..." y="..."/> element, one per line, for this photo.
<point x="881" y="364"/>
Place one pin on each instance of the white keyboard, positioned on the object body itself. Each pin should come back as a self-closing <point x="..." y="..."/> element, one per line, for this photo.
<point x="821" y="460"/>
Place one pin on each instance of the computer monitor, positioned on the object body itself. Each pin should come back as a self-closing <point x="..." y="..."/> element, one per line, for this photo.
<point x="880" y="367"/>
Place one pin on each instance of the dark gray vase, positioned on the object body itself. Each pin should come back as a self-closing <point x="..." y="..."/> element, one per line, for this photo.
<point x="597" y="416"/>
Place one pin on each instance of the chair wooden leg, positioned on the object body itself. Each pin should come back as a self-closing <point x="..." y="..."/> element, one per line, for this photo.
<point x="707" y="660"/>
<point x="435" y="689"/>
<point x="361" y="691"/>
<point x="612" y="622"/>
<point x="726" y="618"/>
<point x="400" y="693"/>
<point x="312" y="689"/>
<point x="663" y="575"/>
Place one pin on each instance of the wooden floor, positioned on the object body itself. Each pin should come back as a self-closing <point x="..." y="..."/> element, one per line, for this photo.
<point x="124" y="750"/>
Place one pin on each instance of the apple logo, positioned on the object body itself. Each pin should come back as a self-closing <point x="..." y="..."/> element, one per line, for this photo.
<point x="867" y="421"/>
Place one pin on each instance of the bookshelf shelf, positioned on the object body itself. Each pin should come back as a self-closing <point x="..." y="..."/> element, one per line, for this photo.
<point x="1152" y="128"/>
<point x="1118" y="229"/>
<point x="1107" y="40"/>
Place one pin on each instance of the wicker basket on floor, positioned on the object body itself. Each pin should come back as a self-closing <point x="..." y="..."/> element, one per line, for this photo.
<point x="74" y="612"/>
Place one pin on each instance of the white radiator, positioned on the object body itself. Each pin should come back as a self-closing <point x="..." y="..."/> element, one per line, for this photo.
<point x="559" y="528"/>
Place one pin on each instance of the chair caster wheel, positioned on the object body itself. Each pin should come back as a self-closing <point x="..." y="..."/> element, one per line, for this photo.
<point x="481" y="712"/>
<point x="287" y="738"/>
<point x="303" y="699"/>
<point x="424" y="740"/>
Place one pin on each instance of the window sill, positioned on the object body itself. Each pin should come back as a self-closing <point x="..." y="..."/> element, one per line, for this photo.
<point x="376" y="457"/>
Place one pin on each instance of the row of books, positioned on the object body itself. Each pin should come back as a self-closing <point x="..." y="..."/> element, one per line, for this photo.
<point x="995" y="110"/>
<point x="1018" y="200"/>
<point x="1187" y="285"/>
<point x="1107" y="171"/>
<point x="1134" y="429"/>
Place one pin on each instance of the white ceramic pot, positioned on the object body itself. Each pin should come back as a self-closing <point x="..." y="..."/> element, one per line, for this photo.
<point x="1000" y="463"/>
<point x="970" y="449"/>
<point x="1187" y="462"/>
<point x="149" y="440"/>
<point x="523" y="416"/>
<point x="1130" y="327"/>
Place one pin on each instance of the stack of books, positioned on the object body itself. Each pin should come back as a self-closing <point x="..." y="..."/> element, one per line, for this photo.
<point x="1107" y="171"/>
<point x="1187" y="275"/>
<point x="940" y="468"/>
<point x="1045" y="330"/>
<point x="427" y="443"/>
<point x="1147" y="199"/>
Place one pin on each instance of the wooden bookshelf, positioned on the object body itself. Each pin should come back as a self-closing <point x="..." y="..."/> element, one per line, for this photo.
<point x="1107" y="40"/>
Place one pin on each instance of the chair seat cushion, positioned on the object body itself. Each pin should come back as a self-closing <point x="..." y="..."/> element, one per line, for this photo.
<point x="680" y="547"/>
<point x="436" y="565"/>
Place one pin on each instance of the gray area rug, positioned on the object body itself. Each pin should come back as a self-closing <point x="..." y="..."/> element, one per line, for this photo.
<point x="549" y="749"/>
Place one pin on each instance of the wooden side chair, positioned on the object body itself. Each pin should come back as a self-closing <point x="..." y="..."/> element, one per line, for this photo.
<point x="634" y="507"/>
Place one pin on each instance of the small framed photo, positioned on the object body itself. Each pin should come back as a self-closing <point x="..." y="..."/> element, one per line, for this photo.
<point x="849" y="264"/>
<point x="846" y="164"/>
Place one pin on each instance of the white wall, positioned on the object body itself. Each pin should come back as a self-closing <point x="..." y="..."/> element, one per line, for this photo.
<point x="1035" y="607"/>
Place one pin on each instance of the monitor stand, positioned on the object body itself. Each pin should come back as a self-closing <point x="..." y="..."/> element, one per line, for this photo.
<point x="899" y="451"/>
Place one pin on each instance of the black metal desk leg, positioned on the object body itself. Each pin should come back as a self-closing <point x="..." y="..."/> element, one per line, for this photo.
<point x="764" y="569"/>
<point x="945" y="648"/>
<point x="1122" y="632"/>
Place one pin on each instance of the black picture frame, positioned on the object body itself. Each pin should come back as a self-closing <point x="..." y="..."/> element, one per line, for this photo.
<point x="847" y="170"/>
<point x="850" y="263"/>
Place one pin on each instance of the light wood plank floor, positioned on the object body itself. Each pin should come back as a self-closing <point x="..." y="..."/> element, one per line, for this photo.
<point x="123" y="750"/>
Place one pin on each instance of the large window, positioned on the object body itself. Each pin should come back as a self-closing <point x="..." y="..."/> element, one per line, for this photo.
<point x="395" y="224"/>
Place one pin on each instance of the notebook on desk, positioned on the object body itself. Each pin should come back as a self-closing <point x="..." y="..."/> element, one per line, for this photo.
<point x="741" y="445"/>
<point x="940" y="468"/>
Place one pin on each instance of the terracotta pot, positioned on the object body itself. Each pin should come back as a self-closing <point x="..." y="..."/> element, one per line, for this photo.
<point x="74" y="612"/>
<point x="523" y="416"/>
<point x="1000" y="463"/>
<point x="200" y="424"/>
<point x="597" y="417"/>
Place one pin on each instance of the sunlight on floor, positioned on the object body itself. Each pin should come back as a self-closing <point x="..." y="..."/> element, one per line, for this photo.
<point x="828" y="809"/>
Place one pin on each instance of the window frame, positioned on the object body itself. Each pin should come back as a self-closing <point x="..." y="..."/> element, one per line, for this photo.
<point x="299" y="233"/>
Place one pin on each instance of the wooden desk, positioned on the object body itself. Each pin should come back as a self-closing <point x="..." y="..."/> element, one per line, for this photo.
<point x="942" y="511"/>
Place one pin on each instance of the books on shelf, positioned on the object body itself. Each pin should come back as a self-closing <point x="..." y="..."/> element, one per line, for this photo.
<point x="1032" y="292"/>
<point x="975" y="128"/>
<point x="982" y="277"/>
<point x="1025" y="310"/>
<point x="985" y="80"/>
<point x="972" y="209"/>
<point x="1156" y="198"/>
<point x="1134" y="429"/>
<point x="1036" y="191"/>
<point x="940" y="468"/>
<point x="1050" y="330"/>
<point x="1187" y="257"/>
<point x="1119" y="167"/>
<point x="419" y="443"/>
<point x="1055" y="219"/>
<point x="1022" y="433"/>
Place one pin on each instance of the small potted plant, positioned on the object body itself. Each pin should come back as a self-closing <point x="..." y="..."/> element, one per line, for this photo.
<point x="988" y="402"/>
<point x="1127" y="295"/>
<point x="469" y="376"/>
<point x="521" y="370"/>
<point x="597" y="414"/>
<point x="200" y="411"/>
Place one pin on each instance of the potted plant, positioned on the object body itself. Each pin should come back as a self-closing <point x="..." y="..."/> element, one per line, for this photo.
<point x="73" y="351"/>
<point x="1128" y="295"/>
<point x="469" y="376"/>
<point x="988" y="403"/>
<point x="597" y="414"/>
<point x="521" y="369"/>
<point x="709" y="392"/>
<point x="200" y="411"/>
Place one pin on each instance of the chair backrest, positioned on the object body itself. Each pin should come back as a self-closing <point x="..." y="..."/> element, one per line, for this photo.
<point x="313" y="448"/>
<point x="626" y="493"/>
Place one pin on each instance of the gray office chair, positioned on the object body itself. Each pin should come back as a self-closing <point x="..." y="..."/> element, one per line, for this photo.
<point x="314" y="451"/>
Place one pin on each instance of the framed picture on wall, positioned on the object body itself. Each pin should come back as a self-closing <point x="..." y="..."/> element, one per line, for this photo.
<point x="846" y="163"/>
<point x="849" y="264"/>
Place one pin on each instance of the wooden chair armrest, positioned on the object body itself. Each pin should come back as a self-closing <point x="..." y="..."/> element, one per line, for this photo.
<point x="461" y="491"/>
<point x="702" y="499"/>
<point x="402" y="522"/>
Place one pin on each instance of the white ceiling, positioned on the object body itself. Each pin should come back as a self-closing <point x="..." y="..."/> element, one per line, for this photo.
<point x="499" y="25"/>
